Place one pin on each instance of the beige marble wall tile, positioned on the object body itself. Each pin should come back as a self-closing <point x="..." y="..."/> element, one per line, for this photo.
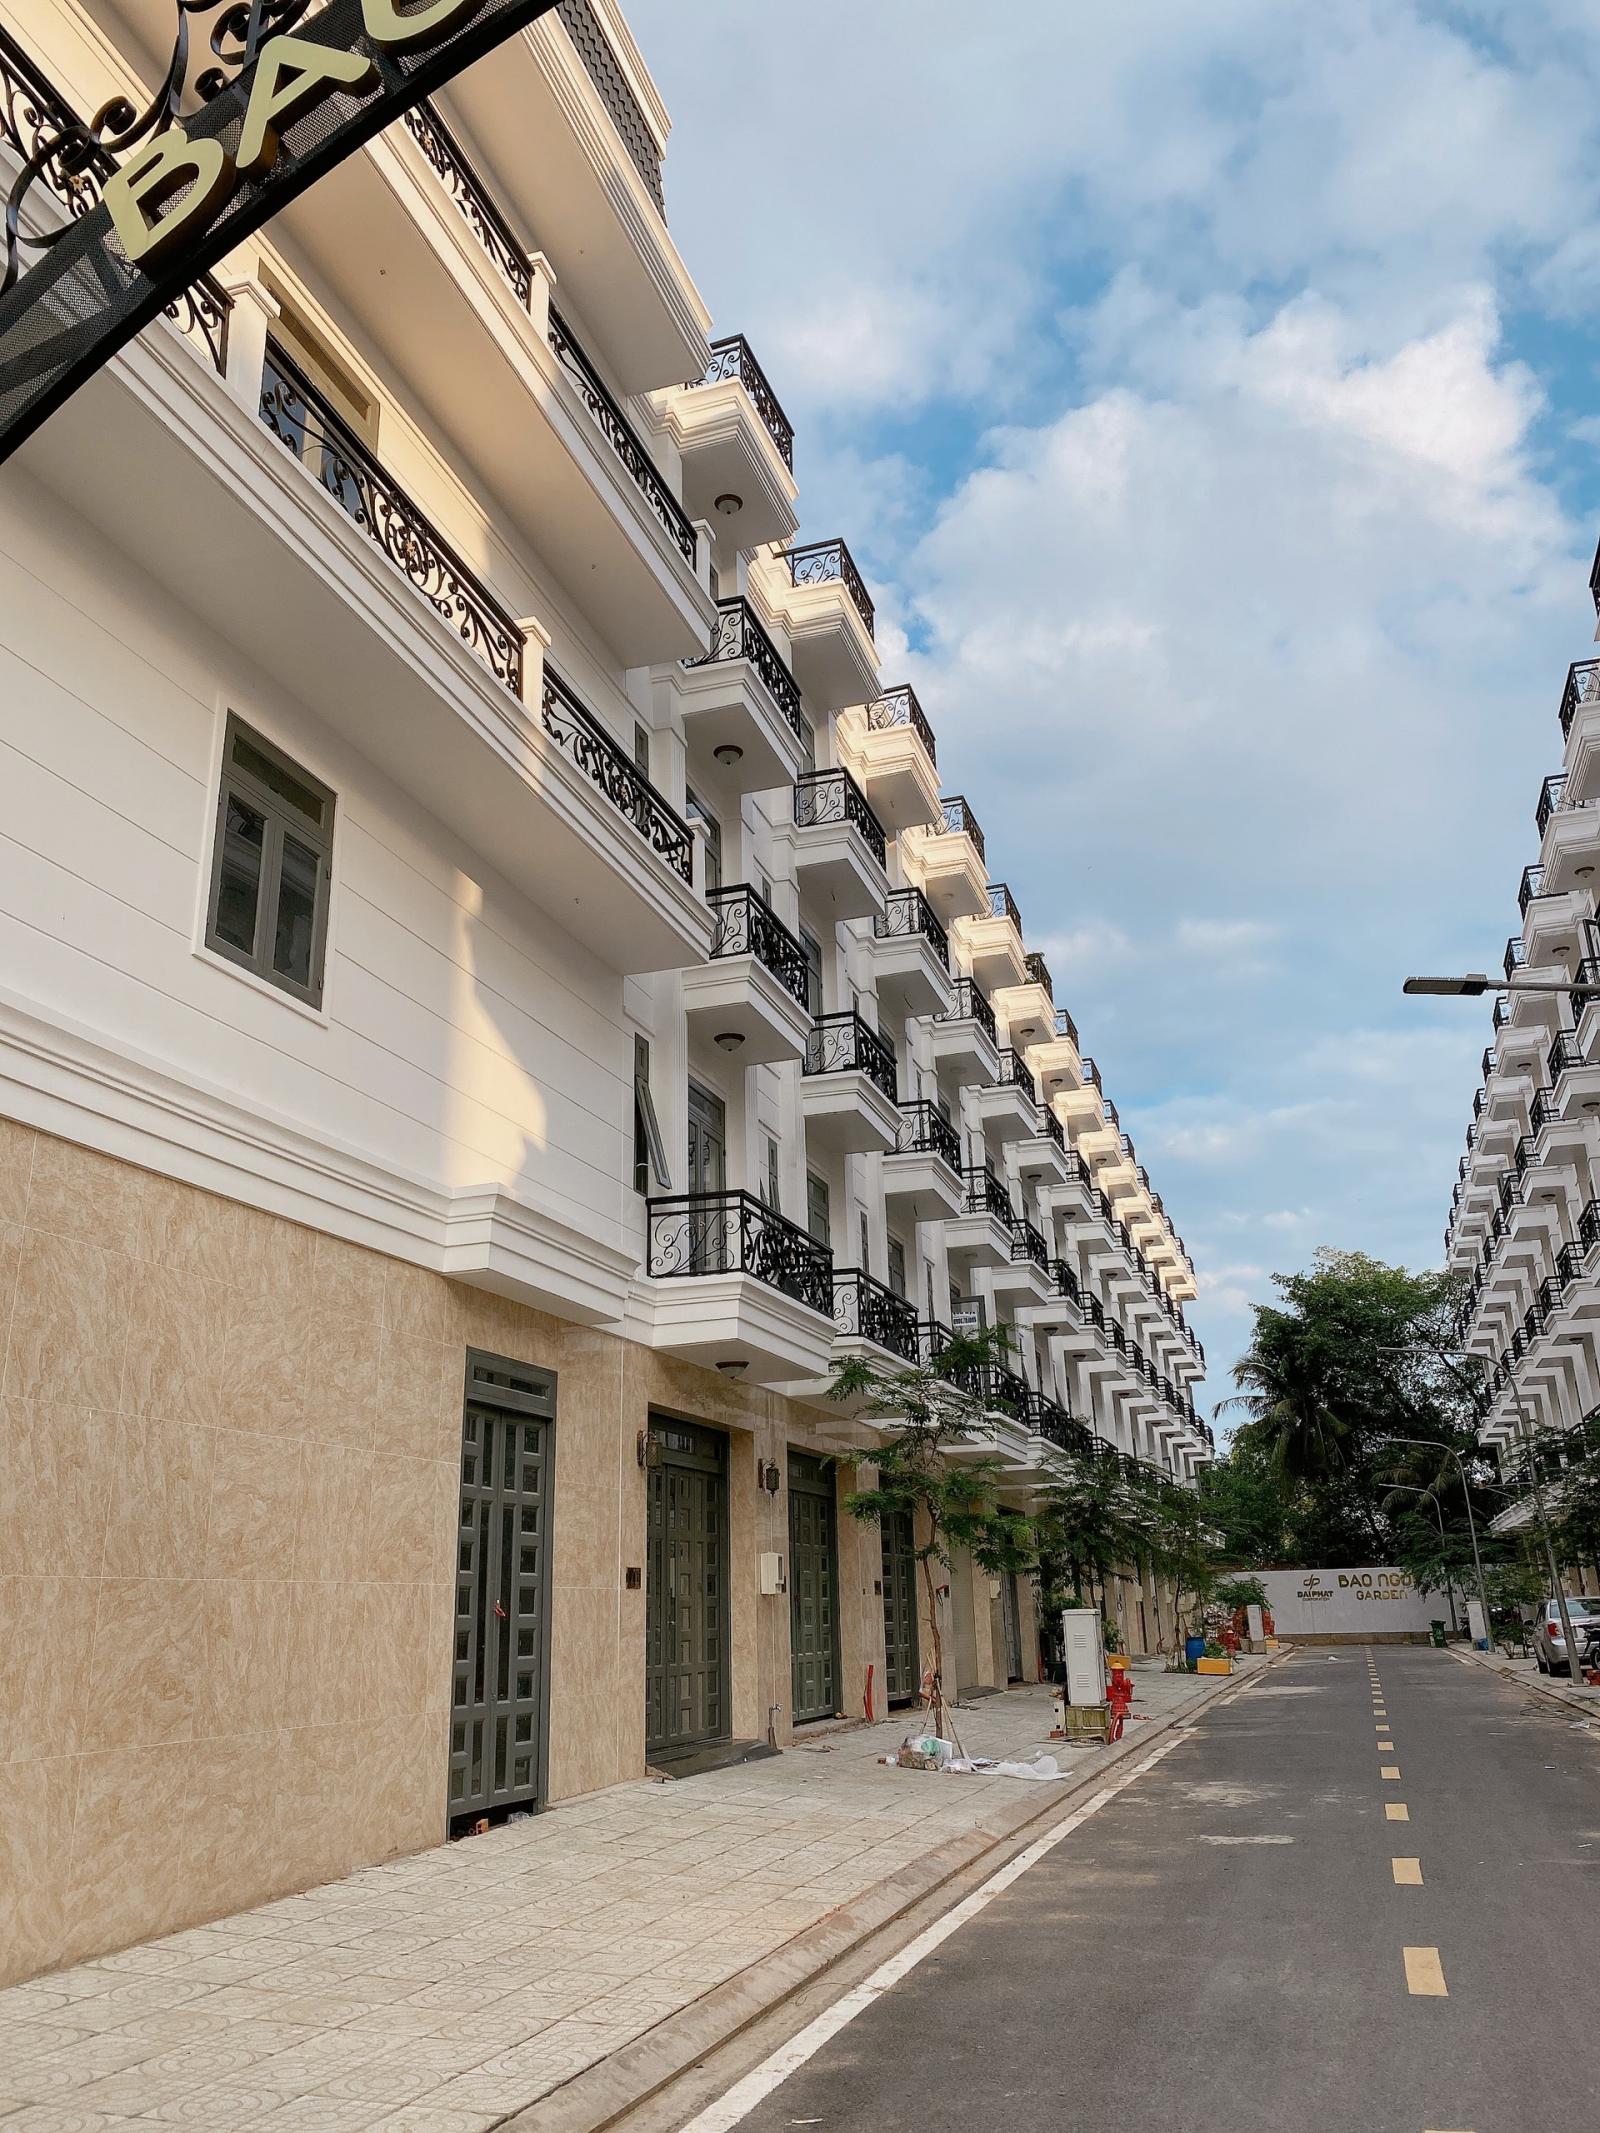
<point x="322" y="1683"/>
<point x="344" y="1362"/>
<point x="16" y="1165"/>
<point x="348" y="1279"/>
<point x="420" y="1388"/>
<point x="75" y="1192"/>
<point x="423" y="1305"/>
<point x="256" y="1484"/>
<point x="11" y="1234"/>
<point x="396" y="1653"/>
<point x="177" y="1326"/>
<point x="583" y="1661"/>
<point x="55" y="1487"/>
<point x="46" y="1630"/>
<point x="135" y="1838"/>
<point x="162" y="1477"/>
<point x="69" y="1321"/>
<point x="265" y="1351"/>
<point x="248" y="1640"/>
<point x="411" y="1515"/>
<point x="314" y="1811"/>
<point x="147" y="1664"/>
<point x="36" y="1809"/>
<point x="331" y="1520"/>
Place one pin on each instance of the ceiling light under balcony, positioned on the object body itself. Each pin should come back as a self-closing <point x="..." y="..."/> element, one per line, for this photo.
<point x="729" y="505"/>
<point x="735" y="1367"/>
<point x="728" y="1040"/>
<point x="728" y="754"/>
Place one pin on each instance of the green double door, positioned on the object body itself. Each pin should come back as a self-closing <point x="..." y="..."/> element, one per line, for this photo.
<point x="901" y="1672"/>
<point x="813" y="1589"/>
<point x="686" y="1595"/>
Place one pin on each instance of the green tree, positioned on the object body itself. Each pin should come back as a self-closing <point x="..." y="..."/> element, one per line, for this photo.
<point x="1573" y="1496"/>
<point x="928" y="1412"/>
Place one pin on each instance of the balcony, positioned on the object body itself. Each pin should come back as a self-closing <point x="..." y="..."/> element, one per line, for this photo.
<point x="981" y="1234"/>
<point x="950" y="856"/>
<point x="824" y="603"/>
<point x="1057" y="1427"/>
<point x="994" y="941"/>
<point x="737" y="447"/>
<point x="1582" y="692"/>
<point x="751" y="998"/>
<point x="911" y="955"/>
<point x="840" y="847"/>
<point x="922" y="1172"/>
<point x="1008" y="1108"/>
<point x="1043" y="1158"/>
<point x="848" y="1093"/>
<point x="1027" y="1279"/>
<point x="732" y="1281"/>
<point x="1573" y="1094"/>
<point x="965" y="1038"/>
<point x="867" y="1316"/>
<point x="892" y="750"/>
<point x="1028" y="1010"/>
<point x="740" y="704"/>
<point x="1552" y="920"/>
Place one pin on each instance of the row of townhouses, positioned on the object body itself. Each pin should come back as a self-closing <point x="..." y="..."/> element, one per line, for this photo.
<point x="1525" y="1210"/>
<point x="496" y="1003"/>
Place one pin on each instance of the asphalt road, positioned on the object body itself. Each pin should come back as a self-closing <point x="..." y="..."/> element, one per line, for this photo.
<point x="1223" y="1947"/>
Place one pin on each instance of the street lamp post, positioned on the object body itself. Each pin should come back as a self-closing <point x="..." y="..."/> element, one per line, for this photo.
<point x="1410" y="1488"/>
<point x="1437" y="1444"/>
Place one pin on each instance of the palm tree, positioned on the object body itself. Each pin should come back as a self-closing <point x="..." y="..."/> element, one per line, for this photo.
<point x="1289" y="1415"/>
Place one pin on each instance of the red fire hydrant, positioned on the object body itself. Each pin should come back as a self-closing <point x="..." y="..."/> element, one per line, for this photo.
<point x="1119" y="1696"/>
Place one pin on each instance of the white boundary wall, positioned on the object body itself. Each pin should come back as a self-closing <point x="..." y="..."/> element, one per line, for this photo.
<point x="1357" y="1604"/>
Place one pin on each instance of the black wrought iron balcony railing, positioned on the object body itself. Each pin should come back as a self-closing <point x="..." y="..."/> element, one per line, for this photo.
<point x="746" y="924"/>
<point x="960" y="821"/>
<point x="1516" y="955"/>
<point x="733" y="357"/>
<point x="592" y="751"/>
<point x="740" y="634"/>
<point x="820" y="562"/>
<point x="1531" y="887"/>
<point x="1039" y="974"/>
<point x="844" y="1044"/>
<point x="1066" y="1281"/>
<point x="1570" y="1263"/>
<point x="1524" y="1155"/>
<point x="924" y="1130"/>
<point x="969" y="1005"/>
<point x="822" y="797"/>
<point x="1583" y="687"/>
<point x="622" y="437"/>
<point x="1565" y="1054"/>
<point x="1055" y="1131"/>
<point x="899" y="707"/>
<point x="453" y="167"/>
<point x="986" y="1195"/>
<point x="706" y="1233"/>
<point x="1006" y="1393"/>
<point x="611" y="84"/>
<point x="1097" y="1313"/>
<point x="1002" y="904"/>
<point x="1589" y="1225"/>
<point x="864" y="1309"/>
<point x="34" y="118"/>
<point x="1015" y="1073"/>
<point x="908" y="915"/>
<point x="1091" y="1072"/>
<point x="1549" y="802"/>
<point x="307" y="425"/>
<point x="1057" y="1425"/>
<point x="1545" y="1110"/>
<point x="1028" y="1244"/>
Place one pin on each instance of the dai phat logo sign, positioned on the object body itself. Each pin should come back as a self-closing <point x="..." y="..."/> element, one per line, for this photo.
<point x="297" y="87"/>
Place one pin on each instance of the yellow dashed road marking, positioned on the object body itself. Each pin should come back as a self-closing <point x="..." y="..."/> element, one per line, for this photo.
<point x="1407" y="1872"/>
<point x="1425" y="1974"/>
<point x="1389" y="1770"/>
<point x="1396" y="1811"/>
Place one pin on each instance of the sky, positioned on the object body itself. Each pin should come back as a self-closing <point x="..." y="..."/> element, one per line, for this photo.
<point x="1211" y="396"/>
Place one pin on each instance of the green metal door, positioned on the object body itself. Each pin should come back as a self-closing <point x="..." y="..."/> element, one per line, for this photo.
<point x="686" y="1598"/>
<point x="813" y="1589"/>
<point x="500" y="1660"/>
<point x="900" y="1671"/>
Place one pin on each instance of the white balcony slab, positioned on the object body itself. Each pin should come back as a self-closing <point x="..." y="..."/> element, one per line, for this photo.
<point x="994" y="952"/>
<point x="909" y="973"/>
<point x="717" y="1319"/>
<point x="1006" y="1113"/>
<point x="951" y="872"/>
<point x="923" y="1184"/>
<point x="738" y="996"/>
<point x="725" y="705"/>
<point x="840" y="875"/>
<point x="727" y="451"/>
<point x="894" y="770"/>
<point x="848" y="1112"/>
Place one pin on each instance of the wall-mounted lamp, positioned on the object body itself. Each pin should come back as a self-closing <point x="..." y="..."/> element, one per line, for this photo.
<point x="649" y="1452"/>
<point x="767" y="1475"/>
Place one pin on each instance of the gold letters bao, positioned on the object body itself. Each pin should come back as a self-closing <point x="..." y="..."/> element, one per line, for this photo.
<point x="292" y="73"/>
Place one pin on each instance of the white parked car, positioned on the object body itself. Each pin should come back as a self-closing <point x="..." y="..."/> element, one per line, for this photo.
<point x="1549" y="1646"/>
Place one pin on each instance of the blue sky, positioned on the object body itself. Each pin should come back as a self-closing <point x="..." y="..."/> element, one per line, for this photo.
<point x="1212" y="397"/>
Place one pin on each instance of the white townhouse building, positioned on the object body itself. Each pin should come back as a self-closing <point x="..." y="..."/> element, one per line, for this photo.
<point x="495" y="1003"/>
<point x="1525" y="1210"/>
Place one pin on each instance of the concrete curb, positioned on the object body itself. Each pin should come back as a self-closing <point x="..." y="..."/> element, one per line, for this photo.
<point x="1536" y="1685"/>
<point x="608" y="2090"/>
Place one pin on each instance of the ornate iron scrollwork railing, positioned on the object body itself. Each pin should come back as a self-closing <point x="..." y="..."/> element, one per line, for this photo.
<point x="1015" y="1074"/>
<point x="863" y="1309"/>
<point x="59" y="151"/>
<point x="304" y="422"/>
<point x="827" y="796"/>
<point x="1066" y="1027"/>
<point x="1058" y="1426"/>
<point x="735" y="1233"/>
<point x="1066" y="1281"/>
<point x="1583" y="683"/>
<point x="960" y="821"/>
<point x="924" y="1130"/>
<point x="899" y="707"/>
<point x="844" y="1044"/>
<point x="1039" y="973"/>
<point x="1566" y="1053"/>
<point x="907" y="914"/>
<point x="820" y="562"/>
<point x="580" y="735"/>
<point x="733" y="357"/>
<point x="452" y="167"/>
<point x="600" y="64"/>
<point x="1028" y="1244"/>
<point x="969" y="1005"/>
<point x="739" y="635"/>
<point x="1531" y="888"/>
<point x="748" y="925"/>
<point x="1550" y="800"/>
<point x="1002" y="904"/>
<point x="622" y="437"/>
<point x="1005" y="1393"/>
<point x="986" y="1195"/>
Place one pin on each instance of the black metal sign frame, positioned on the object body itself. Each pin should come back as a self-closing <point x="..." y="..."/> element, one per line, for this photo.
<point x="292" y="93"/>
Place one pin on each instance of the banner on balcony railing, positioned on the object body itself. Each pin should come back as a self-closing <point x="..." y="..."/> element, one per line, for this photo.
<point x="157" y="196"/>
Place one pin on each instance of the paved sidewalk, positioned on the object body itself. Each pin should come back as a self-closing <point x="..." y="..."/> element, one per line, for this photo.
<point x="1525" y="1673"/>
<point x="444" y="1992"/>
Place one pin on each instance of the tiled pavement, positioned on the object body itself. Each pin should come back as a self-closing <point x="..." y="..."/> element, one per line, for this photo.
<point x="442" y="1992"/>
